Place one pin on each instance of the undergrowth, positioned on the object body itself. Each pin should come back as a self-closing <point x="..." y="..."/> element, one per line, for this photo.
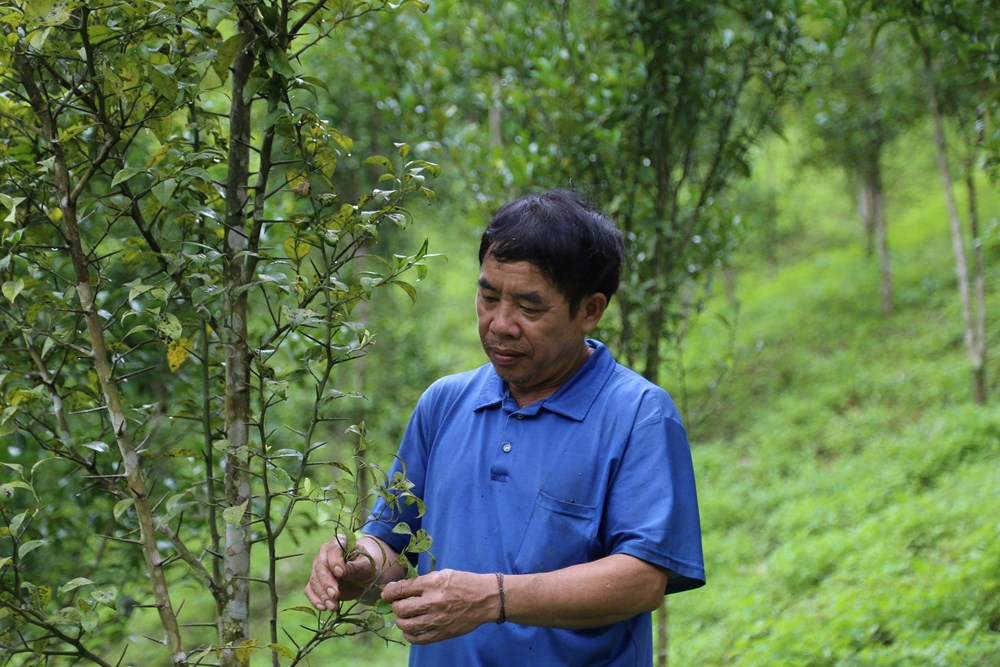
<point x="849" y="487"/>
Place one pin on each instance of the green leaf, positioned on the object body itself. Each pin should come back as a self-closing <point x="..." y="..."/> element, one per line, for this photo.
<point x="15" y="523"/>
<point x="254" y="86"/>
<point x="233" y="515"/>
<point x="73" y="584"/>
<point x="410" y="290"/>
<point x="12" y="288"/>
<point x="97" y="446"/>
<point x="30" y="546"/>
<point x="273" y="116"/>
<point x="434" y="169"/>
<point x="227" y="52"/>
<point x="124" y="175"/>
<point x="136" y="290"/>
<point x="106" y="596"/>
<point x="164" y="191"/>
<point x="16" y="467"/>
<point x="303" y="609"/>
<point x="402" y="528"/>
<point x="121" y="507"/>
<point x="89" y="622"/>
<point x="10" y="203"/>
<point x="380" y="160"/>
<point x="7" y="490"/>
<point x="278" y="60"/>
<point x="286" y="454"/>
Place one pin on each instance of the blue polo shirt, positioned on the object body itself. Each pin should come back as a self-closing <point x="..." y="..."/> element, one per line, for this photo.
<point x="600" y="467"/>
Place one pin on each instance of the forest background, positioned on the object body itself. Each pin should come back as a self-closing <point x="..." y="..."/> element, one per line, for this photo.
<point x="238" y="240"/>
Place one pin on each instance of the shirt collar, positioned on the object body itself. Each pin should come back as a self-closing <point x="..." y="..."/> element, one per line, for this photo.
<point x="573" y="399"/>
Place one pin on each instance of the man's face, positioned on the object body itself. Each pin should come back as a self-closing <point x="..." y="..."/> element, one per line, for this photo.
<point x="526" y="329"/>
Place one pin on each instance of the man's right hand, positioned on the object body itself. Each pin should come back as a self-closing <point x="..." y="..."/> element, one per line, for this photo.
<point x="337" y="576"/>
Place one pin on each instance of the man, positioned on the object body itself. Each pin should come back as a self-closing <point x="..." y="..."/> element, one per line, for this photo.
<point x="559" y="489"/>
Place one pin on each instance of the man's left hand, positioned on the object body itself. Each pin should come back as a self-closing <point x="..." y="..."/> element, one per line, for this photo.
<point x="443" y="604"/>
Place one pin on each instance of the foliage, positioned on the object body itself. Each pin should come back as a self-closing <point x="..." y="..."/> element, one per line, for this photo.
<point x="649" y="108"/>
<point x="192" y="246"/>
<point x="181" y="286"/>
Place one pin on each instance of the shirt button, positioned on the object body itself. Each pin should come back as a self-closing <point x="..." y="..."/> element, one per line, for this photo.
<point x="519" y="416"/>
<point x="507" y="447"/>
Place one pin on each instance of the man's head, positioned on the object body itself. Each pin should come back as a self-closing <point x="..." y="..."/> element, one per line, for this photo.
<point x="571" y="243"/>
<point x="548" y="265"/>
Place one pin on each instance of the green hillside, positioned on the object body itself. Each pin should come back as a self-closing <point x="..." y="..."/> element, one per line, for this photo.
<point x="850" y="488"/>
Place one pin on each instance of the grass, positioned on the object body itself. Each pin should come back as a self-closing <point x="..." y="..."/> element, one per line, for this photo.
<point x="850" y="490"/>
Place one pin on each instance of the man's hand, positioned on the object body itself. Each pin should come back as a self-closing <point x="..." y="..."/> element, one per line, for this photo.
<point x="443" y="604"/>
<point x="337" y="576"/>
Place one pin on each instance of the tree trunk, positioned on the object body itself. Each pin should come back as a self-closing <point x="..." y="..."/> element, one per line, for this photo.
<point x="979" y="288"/>
<point x="495" y="112"/>
<point x="867" y="222"/>
<point x="662" y="635"/>
<point x="234" y="625"/>
<point x="876" y="208"/>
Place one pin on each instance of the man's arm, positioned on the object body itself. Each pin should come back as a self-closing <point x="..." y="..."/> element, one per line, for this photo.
<point x="338" y="576"/>
<point x="446" y="604"/>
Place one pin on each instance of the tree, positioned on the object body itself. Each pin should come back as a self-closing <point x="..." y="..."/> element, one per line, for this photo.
<point x="863" y="92"/>
<point x="176" y="259"/>
<point x="960" y="54"/>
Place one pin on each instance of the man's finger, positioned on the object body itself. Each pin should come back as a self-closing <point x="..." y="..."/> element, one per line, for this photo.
<point x="360" y="567"/>
<point x="323" y="588"/>
<point x="402" y="589"/>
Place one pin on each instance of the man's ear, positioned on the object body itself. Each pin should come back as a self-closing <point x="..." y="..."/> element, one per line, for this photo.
<point x="591" y="310"/>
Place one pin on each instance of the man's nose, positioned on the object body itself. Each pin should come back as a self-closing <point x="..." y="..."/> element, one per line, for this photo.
<point x="504" y="322"/>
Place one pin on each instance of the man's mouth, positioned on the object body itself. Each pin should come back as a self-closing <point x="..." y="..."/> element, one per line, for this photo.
<point x="505" y="355"/>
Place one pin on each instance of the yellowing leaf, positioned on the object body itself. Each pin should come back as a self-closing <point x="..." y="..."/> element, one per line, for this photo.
<point x="245" y="650"/>
<point x="183" y="453"/>
<point x="169" y="327"/>
<point x="178" y="352"/>
<point x="282" y="650"/>
<point x="296" y="248"/>
<point x="47" y="12"/>
<point x="40" y="596"/>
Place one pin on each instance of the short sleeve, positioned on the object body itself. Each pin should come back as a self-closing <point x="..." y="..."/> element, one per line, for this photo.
<point x="411" y="463"/>
<point x="651" y="511"/>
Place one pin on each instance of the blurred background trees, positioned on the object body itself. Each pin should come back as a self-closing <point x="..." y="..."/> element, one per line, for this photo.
<point x="238" y="240"/>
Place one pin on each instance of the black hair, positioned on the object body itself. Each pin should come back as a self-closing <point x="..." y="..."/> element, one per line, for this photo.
<point x="572" y="243"/>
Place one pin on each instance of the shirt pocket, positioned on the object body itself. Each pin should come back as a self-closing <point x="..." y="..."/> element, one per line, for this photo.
<point x="559" y="534"/>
